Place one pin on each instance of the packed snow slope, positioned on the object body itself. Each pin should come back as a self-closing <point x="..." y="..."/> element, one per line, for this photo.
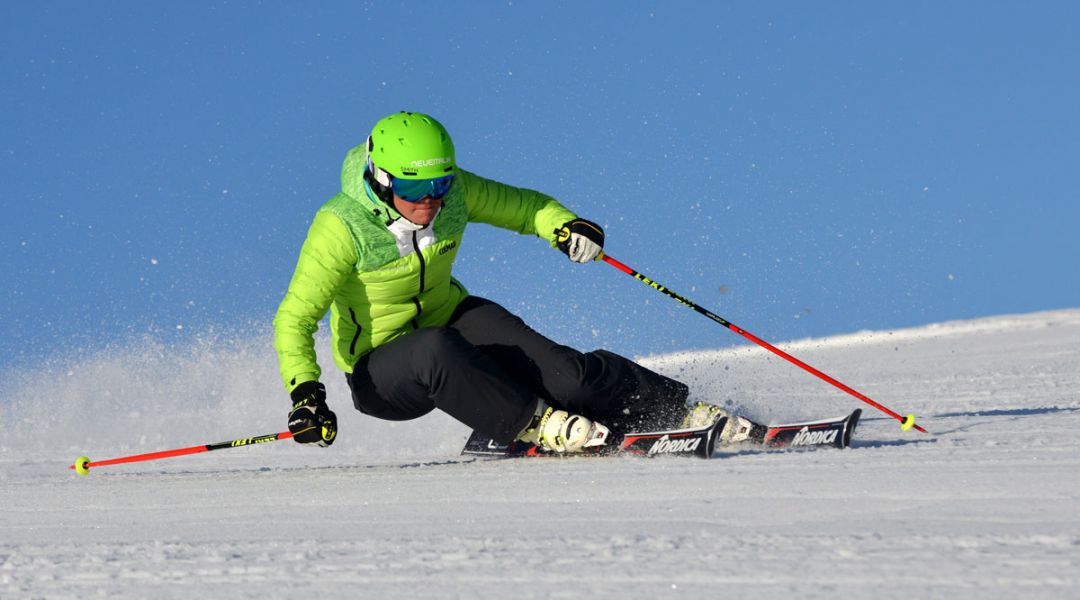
<point x="985" y="506"/>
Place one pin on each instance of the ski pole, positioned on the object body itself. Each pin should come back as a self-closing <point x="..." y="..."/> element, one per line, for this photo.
<point x="906" y="423"/>
<point x="83" y="465"/>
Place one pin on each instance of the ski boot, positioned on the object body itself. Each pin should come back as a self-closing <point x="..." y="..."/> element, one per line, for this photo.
<point x="561" y="432"/>
<point x="737" y="429"/>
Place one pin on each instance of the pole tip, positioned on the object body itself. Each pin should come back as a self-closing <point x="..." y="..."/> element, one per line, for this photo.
<point x="908" y="422"/>
<point x="82" y="465"/>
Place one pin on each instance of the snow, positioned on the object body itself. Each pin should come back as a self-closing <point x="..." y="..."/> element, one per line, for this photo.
<point x="985" y="506"/>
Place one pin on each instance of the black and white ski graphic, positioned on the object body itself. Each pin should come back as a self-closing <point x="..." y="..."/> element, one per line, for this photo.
<point x="826" y="432"/>
<point x="700" y="442"/>
<point x="691" y="442"/>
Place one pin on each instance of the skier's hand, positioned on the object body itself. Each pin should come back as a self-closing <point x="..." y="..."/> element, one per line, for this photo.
<point x="311" y="421"/>
<point x="581" y="240"/>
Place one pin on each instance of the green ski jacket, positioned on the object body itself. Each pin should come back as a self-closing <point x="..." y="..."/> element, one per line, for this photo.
<point x="380" y="275"/>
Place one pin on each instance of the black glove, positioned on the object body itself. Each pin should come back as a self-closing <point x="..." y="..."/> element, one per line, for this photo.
<point x="581" y="240"/>
<point x="310" y="420"/>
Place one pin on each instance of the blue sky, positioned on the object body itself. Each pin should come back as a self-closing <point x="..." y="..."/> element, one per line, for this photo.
<point x="799" y="168"/>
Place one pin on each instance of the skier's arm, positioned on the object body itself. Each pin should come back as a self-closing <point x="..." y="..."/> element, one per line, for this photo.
<point x="326" y="260"/>
<point x="517" y="209"/>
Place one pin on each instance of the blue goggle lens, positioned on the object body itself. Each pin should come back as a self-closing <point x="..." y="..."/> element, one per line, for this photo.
<point x="414" y="190"/>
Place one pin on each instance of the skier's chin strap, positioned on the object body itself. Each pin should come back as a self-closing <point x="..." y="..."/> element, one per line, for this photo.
<point x="381" y="206"/>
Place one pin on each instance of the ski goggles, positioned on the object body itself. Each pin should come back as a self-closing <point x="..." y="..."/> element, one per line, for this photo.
<point x="415" y="190"/>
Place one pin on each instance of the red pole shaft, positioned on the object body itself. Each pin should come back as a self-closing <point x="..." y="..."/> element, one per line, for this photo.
<point x="760" y="342"/>
<point x="147" y="456"/>
<point x="192" y="450"/>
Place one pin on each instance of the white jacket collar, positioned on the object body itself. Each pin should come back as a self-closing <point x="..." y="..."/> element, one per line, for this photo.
<point x="403" y="230"/>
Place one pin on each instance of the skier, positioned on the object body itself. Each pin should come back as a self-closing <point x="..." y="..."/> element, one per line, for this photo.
<point x="408" y="335"/>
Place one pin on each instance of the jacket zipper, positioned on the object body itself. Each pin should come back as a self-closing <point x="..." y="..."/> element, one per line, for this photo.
<point x="423" y="267"/>
<point x="356" y="336"/>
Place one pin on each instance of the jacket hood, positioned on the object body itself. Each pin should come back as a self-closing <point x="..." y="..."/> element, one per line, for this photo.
<point x="354" y="186"/>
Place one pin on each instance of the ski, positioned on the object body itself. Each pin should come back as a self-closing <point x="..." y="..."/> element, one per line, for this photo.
<point x="834" y="433"/>
<point x="701" y="442"/>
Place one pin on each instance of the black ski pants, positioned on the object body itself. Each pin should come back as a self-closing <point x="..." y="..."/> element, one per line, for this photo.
<point x="487" y="369"/>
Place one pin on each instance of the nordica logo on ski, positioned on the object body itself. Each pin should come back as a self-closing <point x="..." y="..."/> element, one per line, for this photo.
<point x="805" y="437"/>
<point x="666" y="445"/>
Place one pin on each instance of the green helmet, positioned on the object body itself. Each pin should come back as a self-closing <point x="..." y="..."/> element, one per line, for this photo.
<point x="410" y="145"/>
